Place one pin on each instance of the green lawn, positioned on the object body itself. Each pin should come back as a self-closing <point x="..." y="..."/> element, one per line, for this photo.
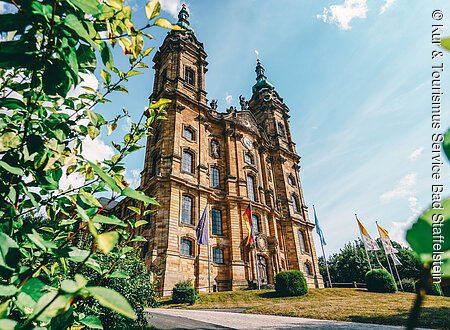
<point x="357" y="305"/>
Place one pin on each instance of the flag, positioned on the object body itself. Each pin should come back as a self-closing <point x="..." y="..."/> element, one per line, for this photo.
<point x="249" y="224"/>
<point x="318" y="229"/>
<point x="385" y="239"/>
<point x="395" y="260"/>
<point x="369" y="243"/>
<point x="203" y="227"/>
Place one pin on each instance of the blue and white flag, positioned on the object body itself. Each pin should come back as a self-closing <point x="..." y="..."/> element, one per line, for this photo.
<point x="203" y="227"/>
<point x="318" y="229"/>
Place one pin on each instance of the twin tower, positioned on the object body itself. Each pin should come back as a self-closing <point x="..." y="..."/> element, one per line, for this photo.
<point x="201" y="155"/>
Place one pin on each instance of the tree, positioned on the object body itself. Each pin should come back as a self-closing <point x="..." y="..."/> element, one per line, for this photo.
<point x="48" y="47"/>
<point x="350" y="264"/>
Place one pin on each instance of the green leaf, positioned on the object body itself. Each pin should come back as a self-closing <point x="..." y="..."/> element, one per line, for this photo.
<point x="105" y="177"/>
<point x="133" y="73"/>
<point x="118" y="274"/>
<point x="113" y="300"/>
<point x="7" y="290"/>
<point x="140" y="223"/>
<point x="138" y="195"/>
<point x="107" y="241"/>
<point x="445" y="42"/>
<point x="77" y="27"/>
<point x="9" y="140"/>
<point x="11" y="169"/>
<point x="107" y="57"/>
<point x="138" y="239"/>
<point x="9" y="255"/>
<point x="135" y="209"/>
<point x="420" y="236"/>
<point x="92" y="201"/>
<point x="93" y="132"/>
<point x="446" y="144"/>
<point x="40" y="242"/>
<point x="7" y="324"/>
<point x="92" y="322"/>
<point x="159" y="103"/>
<point x="108" y="219"/>
<point x="164" y="23"/>
<point x="87" y="6"/>
<point x="152" y="9"/>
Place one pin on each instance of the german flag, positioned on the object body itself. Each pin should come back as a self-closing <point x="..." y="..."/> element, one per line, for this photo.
<point x="248" y="224"/>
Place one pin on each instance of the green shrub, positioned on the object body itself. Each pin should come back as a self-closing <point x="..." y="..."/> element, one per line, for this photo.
<point x="409" y="285"/>
<point x="434" y="290"/>
<point x="184" y="292"/>
<point x="131" y="278"/>
<point x="290" y="283"/>
<point x="379" y="280"/>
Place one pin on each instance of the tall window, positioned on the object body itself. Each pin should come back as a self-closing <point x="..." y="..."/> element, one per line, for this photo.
<point x="295" y="204"/>
<point x="255" y="223"/>
<point x="281" y="130"/>
<point x="215" y="177"/>
<point x="188" y="162"/>
<point x="251" y="188"/>
<point x="149" y="215"/>
<point x="249" y="158"/>
<point x="186" y="247"/>
<point x="186" y="210"/>
<point x="218" y="256"/>
<point x="189" y="76"/>
<point x="291" y="180"/>
<point x="302" y="241"/>
<point x="216" y="215"/>
<point x="307" y="269"/>
<point x="189" y="133"/>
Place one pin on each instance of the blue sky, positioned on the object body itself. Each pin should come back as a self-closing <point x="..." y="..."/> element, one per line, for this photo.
<point x="356" y="75"/>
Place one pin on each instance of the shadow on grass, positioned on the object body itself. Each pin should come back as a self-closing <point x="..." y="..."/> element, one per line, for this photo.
<point x="270" y="294"/>
<point x="430" y="317"/>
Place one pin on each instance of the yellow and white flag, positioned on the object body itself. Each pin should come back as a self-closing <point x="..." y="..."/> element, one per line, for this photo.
<point x="369" y="243"/>
<point x="385" y="239"/>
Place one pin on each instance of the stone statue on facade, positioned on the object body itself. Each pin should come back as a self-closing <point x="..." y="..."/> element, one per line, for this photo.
<point x="243" y="103"/>
<point x="213" y="104"/>
<point x="215" y="149"/>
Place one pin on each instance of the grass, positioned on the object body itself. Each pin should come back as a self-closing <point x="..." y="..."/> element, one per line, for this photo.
<point x="356" y="305"/>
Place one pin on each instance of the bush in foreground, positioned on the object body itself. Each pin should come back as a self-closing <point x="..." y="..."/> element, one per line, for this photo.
<point x="290" y="283"/>
<point x="434" y="290"/>
<point x="379" y="280"/>
<point x="409" y="285"/>
<point x="184" y="292"/>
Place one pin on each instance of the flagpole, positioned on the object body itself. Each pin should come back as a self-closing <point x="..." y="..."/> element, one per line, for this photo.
<point x="254" y="247"/>
<point x="323" y="252"/>
<point x="209" y="257"/>
<point x="398" y="275"/>
<point x="362" y="239"/>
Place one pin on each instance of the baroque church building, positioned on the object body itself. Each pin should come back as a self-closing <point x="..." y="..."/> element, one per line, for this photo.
<point x="226" y="159"/>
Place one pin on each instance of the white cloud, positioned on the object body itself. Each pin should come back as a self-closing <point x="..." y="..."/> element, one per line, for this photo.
<point x="343" y="14"/>
<point x="399" y="228"/>
<point x="405" y="188"/>
<point x="416" y="154"/>
<point x="135" y="178"/>
<point x="387" y="4"/>
<point x="171" y="6"/>
<point x="228" y="98"/>
<point x="88" y="80"/>
<point x="2" y="8"/>
<point x="96" y="150"/>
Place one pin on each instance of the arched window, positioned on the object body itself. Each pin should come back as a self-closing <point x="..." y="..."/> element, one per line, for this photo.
<point x="189" y="76"/>
<point x="218" y="256"/>
<point x="307" y="269"/>
<point x="291" y="180"/>
<point x="149" y="214"/>
<point x="189" y="133"/>
<point x="295" y="204"/>
<point x="215" y="177"/>
<point x="186" y="247"/>
<point x="216" y="222"/>
<point x="302" y="242"/>
<point x="187" y="206"/>
<point x="255" y="223"/>
<point x="155" y="164"/>
<point x="157" y="134"/>
<point x="188" y="161"/>
<point x="281" y="130"/>
<point x="249" y="158"/>
<point x="251" y="188"/>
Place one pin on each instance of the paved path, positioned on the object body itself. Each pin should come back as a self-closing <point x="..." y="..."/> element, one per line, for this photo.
<point x="163" y="318"/>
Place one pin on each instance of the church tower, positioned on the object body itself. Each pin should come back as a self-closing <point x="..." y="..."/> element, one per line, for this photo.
<point x="201" y="159"/>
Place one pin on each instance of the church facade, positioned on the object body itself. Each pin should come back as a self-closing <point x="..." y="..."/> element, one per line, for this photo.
<point x="225" y="159"/>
